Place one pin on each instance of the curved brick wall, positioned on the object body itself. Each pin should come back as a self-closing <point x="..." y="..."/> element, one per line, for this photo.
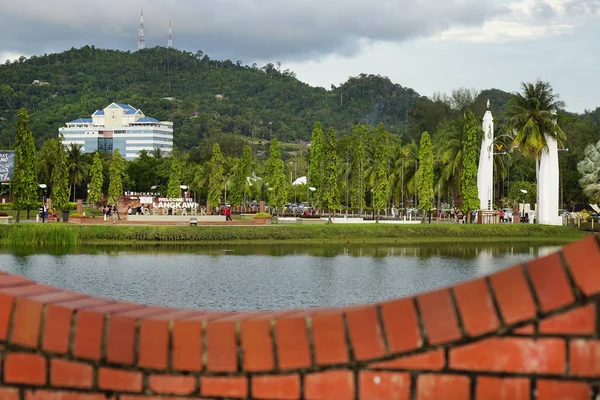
<point x="528" y="332"/>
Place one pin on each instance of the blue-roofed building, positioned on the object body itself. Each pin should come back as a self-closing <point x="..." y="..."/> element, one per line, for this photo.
<point x="122" y="127"/>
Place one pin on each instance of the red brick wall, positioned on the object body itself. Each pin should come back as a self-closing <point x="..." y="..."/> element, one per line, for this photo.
<point x="528" y="332"/>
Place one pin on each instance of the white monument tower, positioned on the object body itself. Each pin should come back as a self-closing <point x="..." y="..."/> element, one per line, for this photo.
<point x="485" y="173"/>
<point x="548" y="179"/>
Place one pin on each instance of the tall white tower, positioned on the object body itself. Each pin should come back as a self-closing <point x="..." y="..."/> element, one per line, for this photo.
<point x="485" y="173"/>
<point x="548" y="179"/>
<point x="170" y="39"/>
<point x="141" y="41"/>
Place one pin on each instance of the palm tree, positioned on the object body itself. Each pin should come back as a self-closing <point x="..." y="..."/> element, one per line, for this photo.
<point x="157" y="152"/>
<point x="531" y="116"/>
<point x="77" y="166"/>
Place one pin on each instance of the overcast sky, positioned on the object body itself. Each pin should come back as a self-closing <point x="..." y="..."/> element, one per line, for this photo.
<point x="428" y="45"/>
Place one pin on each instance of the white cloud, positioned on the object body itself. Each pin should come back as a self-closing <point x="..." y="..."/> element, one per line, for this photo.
<point x="504" y="31"/>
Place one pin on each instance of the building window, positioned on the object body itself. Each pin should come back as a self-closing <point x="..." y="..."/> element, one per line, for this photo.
<point x="105" y="145"/>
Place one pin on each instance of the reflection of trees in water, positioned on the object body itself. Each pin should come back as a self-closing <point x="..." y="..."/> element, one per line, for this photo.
<point x="421" y="250"/>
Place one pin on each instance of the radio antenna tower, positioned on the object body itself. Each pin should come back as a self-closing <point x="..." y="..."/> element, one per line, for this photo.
<point x="141" y="41"/>
<point x="170" y="40"/>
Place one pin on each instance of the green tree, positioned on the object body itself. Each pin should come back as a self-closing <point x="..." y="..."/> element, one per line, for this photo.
<point x="330" y="196"/>
<point x="240" y="184"/>
<point x="315" y="168"/>
<point x="276" y="178"/>
<point x="96" y="180"/>
<point x="60" y="181"/>
<point x="216" y="177"/>
<point x="77" y="165"/>
<point x="532" y="116"/>
<point x="425" y="174"/>
<point x="359" y="138"/>
<point x="381" y="185"/>
<point x="589" y="168"/>
<point x="24" y="181"/>
<point x="116" y="174"/>
<point x="468" y="178"/>
<point x="47" y="159"/>
<point x="174" y="186"/>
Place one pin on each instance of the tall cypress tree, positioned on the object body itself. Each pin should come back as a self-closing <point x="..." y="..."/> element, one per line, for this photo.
<point x="96" y="180"/>
<point x="381" y="188"/>
<point x="60" y="181"/>
<point x="216" y="177"/>
<point x="468" y="184"/>
<point x="240" y="172"/>
<point x="116" y="173"/>
<point x="174" y="185"/>
<point x="276" y="178"/>
<point x="357" y="172"/>
<point x="315" y="168"/>
<point x="330" y="197"/>
<point x="24" y="180"/>
<point x="425" y="174"/>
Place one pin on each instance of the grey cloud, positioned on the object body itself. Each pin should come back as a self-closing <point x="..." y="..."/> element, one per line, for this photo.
<point x="582" y="7"/>
<point x="244" y="29"/>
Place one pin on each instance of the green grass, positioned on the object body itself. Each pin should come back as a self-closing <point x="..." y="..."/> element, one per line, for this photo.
<point x="62" y="234"/>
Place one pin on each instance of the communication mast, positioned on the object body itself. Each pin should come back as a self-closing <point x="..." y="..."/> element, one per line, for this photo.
<point x="141" y="41"/>
<point x="170" y="41"/>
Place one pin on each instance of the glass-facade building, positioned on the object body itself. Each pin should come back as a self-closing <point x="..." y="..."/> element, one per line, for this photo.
<point x="122" y="127"/>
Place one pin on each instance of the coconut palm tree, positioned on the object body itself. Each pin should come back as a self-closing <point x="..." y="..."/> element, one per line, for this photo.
<point x="77" y="166"/>
<point x="531" y="117"/>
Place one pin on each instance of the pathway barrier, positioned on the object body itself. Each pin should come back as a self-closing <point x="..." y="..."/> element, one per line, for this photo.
<point x="527" y="332"/>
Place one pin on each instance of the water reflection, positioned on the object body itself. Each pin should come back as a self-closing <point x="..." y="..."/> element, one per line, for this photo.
<point x="245" y="276"/>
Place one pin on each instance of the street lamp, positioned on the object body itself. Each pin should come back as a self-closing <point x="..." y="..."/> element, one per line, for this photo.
<point x="524" y="192"/>
<point x="43" y="186"/>
<point x="562" y="192"/>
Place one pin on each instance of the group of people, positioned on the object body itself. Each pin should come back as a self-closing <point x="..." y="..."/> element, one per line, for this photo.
<point x="110" y="211"/>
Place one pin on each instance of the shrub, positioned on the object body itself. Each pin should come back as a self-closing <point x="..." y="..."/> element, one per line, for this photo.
<point x="262" y="215"/>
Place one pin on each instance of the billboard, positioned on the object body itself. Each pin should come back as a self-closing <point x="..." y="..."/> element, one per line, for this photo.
<point x="7" y="164"/>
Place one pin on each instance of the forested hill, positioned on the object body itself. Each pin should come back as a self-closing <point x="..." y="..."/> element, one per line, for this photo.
<point x="207" y="96"/>
<point x="204" y="97"/>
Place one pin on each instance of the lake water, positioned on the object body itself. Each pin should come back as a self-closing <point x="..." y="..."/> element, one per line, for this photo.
<point x="267" y="277"/>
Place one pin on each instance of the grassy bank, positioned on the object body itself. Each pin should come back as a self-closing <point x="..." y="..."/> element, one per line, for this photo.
<point x="64" y="234"/>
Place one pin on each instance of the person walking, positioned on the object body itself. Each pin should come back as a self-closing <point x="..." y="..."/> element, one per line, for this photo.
<point x="228" y="213"/>
<point x="43" y="212"/>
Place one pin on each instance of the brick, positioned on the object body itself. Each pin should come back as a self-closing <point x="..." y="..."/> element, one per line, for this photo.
<point x="62" y="395"/>
<point x="334" y="385"/>
<point x="88" y="335"/>
<point x="401" y="325"/>
<point x="26" y="323"/>
<point x="513" y="295"/>
<point x="119" y="380"/>
<point x="435" y="387"/>
<point x="329" y="339"/>
<point x="291" y="339"/>
<point x="120" y="342"/>
<point x="71" y="374"/>
<point x="117" y="307"/>
<point x="221" y="347"/>
<point x="257" y="346"/>
<point x="187" y="346"/>
<point x="10" y="280"/>
<point x="6" y="305"/>
<point x="29" y="290"/>
<point x="227" y="386"/>
<point x="25" y="368"/>
<point x="476" y="307"/>
<point x="9" y="394"/>
<point x="580" y="321"/>
<point x="528" y="329"/>
<point x="171" y="384"/>
<point x="439" y="318"/>
<point x="57" y="329"/>
<point x="154" y="344"/>
<point x="365" y="333"/>
<point x="489" y="388"/>
<point x="429" y="361"/>
<point x="584" y="357"/>
<point x="383" y="385"/>
<point x="583" y="259"/>
<point x="562" y="390"/>
<point x="513" y="354"/>
<point x="281" y="387"/>
<point x="56" y="297"/>
<point x="550" y="282"/>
